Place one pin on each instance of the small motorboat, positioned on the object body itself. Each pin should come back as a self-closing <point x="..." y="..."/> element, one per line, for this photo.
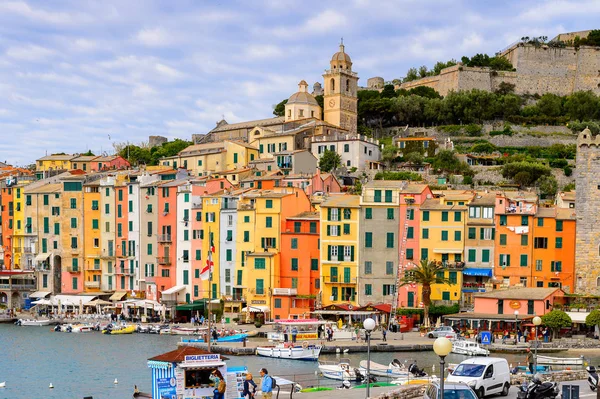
<point x="33" y="322"/>
<point x="290" y="351"/>
<point x="560" y="361"/>
<point x="341" y="370"/>
<point x="3" y="384"/>
<point x="469" y="348"/>
<point x="395" y="369"/>
<point x="118" y="330"/>
<point x="227" y="338"/>
<point x="188" y="330"/>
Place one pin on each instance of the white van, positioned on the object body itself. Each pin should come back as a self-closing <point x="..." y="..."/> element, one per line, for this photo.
<point x="485" y="375"/>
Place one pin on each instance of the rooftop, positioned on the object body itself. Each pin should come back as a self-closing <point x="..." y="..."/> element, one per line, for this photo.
<point x="519" y="293"/>
<point x="305" y="216"/>
<point x="484" y="199"/>
<point x="57" y="157"/>
<point x="179" y="354"/>
<point x="341" y="201"/>
<point x="521" y="196"/>
<point x="436" y="204"/>
<point x="249" y="124"/>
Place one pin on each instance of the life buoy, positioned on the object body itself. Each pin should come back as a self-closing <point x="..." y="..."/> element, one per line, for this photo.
<point x="305" y="344"/>
<point x="350" y="307"/>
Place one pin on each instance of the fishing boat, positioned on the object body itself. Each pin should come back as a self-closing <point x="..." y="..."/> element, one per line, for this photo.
<point x="341" y="370"/>
<point x="228" y="338"/>
<point x="77" y="328"/>
<point x="117" y="330"/>
<point x="188" y="330"/>
<point x="394" y="370"/>
<point x="290" y="351"/>
<point x="560" y="361"/>
<point x="469" y="348"/>
<point x="33" y="322"/>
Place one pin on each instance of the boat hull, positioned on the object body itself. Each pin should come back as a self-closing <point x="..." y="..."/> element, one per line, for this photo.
<point x="39" y="323"/>
<point x="337" y="373"/>
<point x="557" y="361"/>
<point x="230" y="338"/>
<point x="120" y="331"/>
<point x="311" y="352"/>
<point x="380" y="370"/>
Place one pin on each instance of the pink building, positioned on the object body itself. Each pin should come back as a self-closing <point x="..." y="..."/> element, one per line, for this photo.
<point x="109" y="162"/>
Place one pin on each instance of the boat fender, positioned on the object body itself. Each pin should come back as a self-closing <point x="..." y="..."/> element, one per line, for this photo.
<point x="305" y="344"/>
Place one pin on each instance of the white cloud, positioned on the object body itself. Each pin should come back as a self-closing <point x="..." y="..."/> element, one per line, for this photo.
<point x="265" y="51"/>
<point x="156" y="37"/>
<point x="324" y="22"/>
<point x="84" y="44"/>
<point x="25" y="10"/>
<point x="29" y="52"/>
<point x="168" y="71"/>
<point x="55" y="78"/>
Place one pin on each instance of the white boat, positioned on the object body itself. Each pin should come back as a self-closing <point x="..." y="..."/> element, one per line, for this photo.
<point x="306" y="329"/>
<point x="341" y="370"/>
<point x="294" y="352"/>
<point x="469" y="348"/>
<point x="33" y="322"/>
<point x="3" y="384"/>
<point x="394" y="370"/>
<point x="560" y="361"/>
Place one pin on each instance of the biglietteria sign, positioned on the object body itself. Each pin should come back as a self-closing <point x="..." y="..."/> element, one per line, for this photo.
<point x="214" y="357"/>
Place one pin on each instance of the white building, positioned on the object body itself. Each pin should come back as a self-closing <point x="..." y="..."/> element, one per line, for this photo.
<point x="133" y="235"/>
<point x="227" y="250"/>
<point x="184" y="239"/>
<point x="356" y="151"/>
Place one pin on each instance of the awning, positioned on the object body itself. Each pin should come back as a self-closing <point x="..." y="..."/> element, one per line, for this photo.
<point x="473" y="271"/>
<point x="447" y="251"/>
<point x="117" y="296"/>
<point x="256" y="309"/>
<point x="190" y="307"/>
<point x="174" y="290"/>
<point x="42" y="257"/>
<point x="578" y="317"/>
<point x="40" y="294"/>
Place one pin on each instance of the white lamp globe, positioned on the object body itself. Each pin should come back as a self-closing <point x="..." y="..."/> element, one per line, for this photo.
<point x="537" y="320"/>
<point x="369" y="324"/>
<point x="516" y="312"/>
<point x="442" y="346"/>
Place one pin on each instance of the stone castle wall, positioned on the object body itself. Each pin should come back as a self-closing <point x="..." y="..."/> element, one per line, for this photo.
<point x="539" y="70"/>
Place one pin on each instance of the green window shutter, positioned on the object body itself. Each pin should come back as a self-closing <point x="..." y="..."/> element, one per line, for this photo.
<point x="503" y="220"/>
<point x="540" y="222"/>
<point x="229" y="255"/>
<point x="329" y="252"/>
<point x="56" y="228"/>
<point x="294" y="243"/>
<point x="313" y="227"/>
<point x="559" y="225"/>
<point x="390" y="213"/>
<point x="269" y="221"/>
<point x="390" y="240"/>
<point x="198" y="255"/>
<point x="262" y="242"/>
<point x="481" y="233"/>
<point x="368" y="240"/>
<point x="119" y="211"/>
<point x="269" y="204"/>
<point x="239" y="277"/>
<point x="472" y="255"/>
<point x="328" y="215"/>
<point x="47" y="226"/>
<point x="95" y="224"/>
<point x="314" y="264"/>
<point x="260" y="286"/>
<point x="186" y="277"/>
<point x="485" y="255"/>
<point x="493" y="233"/>
<point x="502" y="239"/>
<point x="457" y="235"/>
<point x="388" y="195"/>
<point x="444" y="235"/>
<point x="558" y="243"/>
<point x="426" y="216"/>
<point x="457" y="216"/>
<point x="44" y="245"/>
<point x="328" y="230"/>
<point x="524" y="220"/>
<point x="46" y="199"/>
<point x="472" y="233"/>
<point x="410" y="233"/>
<point x="352" y="253"/>
<point x="368" y="213"/>
<point x="446" y="296"/>
<point x="411" y="214"/>
<point x="409" y="253"/>
<point x="340" y="253"/>
<point x="246" y="236"/>
<point x="73" y="223"/>
<point x="444" y="216"/>
<point x="425" y="233"/>
<point x="368" y="289"/>
<point x="294" y="264"/>
<point x="524" y="239"/>
<point x="424" y="253"/>
<point x="260" y="263"/>
<point x="130" y="204"/>
<point x="453" y="277"/>
<point x="346" y="274"/>
<point x="346" y="228"/>
<point x="523" y="260"/>
<point x="377" y="197"/>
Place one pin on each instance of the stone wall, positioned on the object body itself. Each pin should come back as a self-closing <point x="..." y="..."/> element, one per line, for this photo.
<point x="405" y="392"/>
<point x="155" y="141"/>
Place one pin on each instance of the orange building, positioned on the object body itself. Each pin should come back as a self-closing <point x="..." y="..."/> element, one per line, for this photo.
<point x="299" y="274"/>
<point x="167" y="232"/>
<point x="514" y="213"/>
<point x="553" y="256"/>
<point x="7" y="219"/>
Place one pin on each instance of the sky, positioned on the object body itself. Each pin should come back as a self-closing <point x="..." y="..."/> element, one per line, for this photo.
<point x="78" y="75"/>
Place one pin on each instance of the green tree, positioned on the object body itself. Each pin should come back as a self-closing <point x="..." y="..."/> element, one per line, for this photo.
<point x="136" y="155"/>
<point x="389" y="155"/>
<point x="593" y="319"/>
<point x="505" y="88"/>
<point x="279" y="109"/>
<point x="548" y="186"/>
<point x="329" y="161"/>
<point x="550" y="105"/>
<point x="424" y="91"/>
<point x="416" y="158"/>
<point x="89" y="153"/>
<point x="555" y="320"/>
<point x="411" y="75"/>
<point x="423" y="71"/>
<point x="525" y="173"/>
<point x="447" y="162"/>
<point x="499" y="63"/>
<point x="483" y="148"/>
<point x="582" y="105"/>
<point x="168" y="149"/>
<point x="426" y="274"/>
<point x="388" y="92"/>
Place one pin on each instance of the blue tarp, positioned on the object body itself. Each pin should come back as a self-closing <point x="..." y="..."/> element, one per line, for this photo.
<point x="471" y="271"/>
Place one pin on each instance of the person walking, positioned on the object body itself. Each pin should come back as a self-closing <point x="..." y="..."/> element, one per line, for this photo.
<point x="529" y="360"/>
<point x="266" y="385"/>
<point x="384" y="332"/>
<point x="294" y="334"/>
<point x="546" y="334"/>
<point x="285" y="335"/>
<point x="249" y="382"/>
<point x="219" y="383"/>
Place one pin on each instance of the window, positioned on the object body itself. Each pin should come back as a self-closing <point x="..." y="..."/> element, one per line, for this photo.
<point x="198" y="254"/>
<point x="524" y="239"/>
<point x="444" y="235"/>
<point x="472" y="232"/>
<point x="426" y="216"/>
<point x="313" y="227"/>
<point x="474" y="212"/>
<point x="410" y="232"/>
<point x="558" y="243"/>
<point x="504" y="260"/>
<point x="269" y="204"/>
<point x="457" y="235"/>
<point x="74" y="242"/>
<point x="368" y="240"/>
<point x="556" y="266"/>
<point x="294" y="243"/>
<point x="260" y="263"/>
<point x="502" y="239"/>
<point x="377" y="196"/>
<point x="488" y="213"/>
<point x="260" y="286"/>
<point x="502" y="220"/>
<point x="452" y="277"/>
<point x="410" y="214"/>
<point x="540" y="222"/>
<point x="368" y="289"/>
<point x="424" y="253"/>
<point x="524" y="220"/>
<point x="368" y="213"/>
<point x="246" y="236"/>
<point x="229" y="255"/>
<point x="388" y="289"/>
<point x="368" y="267"/>
<point x="559" y="225"/>
<point x="297" y="227"/>
<point x="314" y="264"/>
<point x="56" y="228"/>
<point x="333" y="230"/>
<point x="471" y="255"/>
<point x="523" y="262"/>
<point x="446" y="296"/>
<point x="425" y="233"/>
<point x="277" y="303"/>
<point x="538" y="265"/>
<point x="246" y="219"/>
<point x="390" y="240"/>
<point x="444" y="216"/>
<point x="389" y="268"/>
<point x="333" y="274"/>
<point x="347" y="214"/>
<point x="334" y="214"/>
<point x="540" y="242"/>
<point x="295" y="264"/>
<point x="333" y="252"/>
<point x="269" y="221"/>
<point x="457" y="216"/>
<point x="388" y="195"/>
<point x="73" y="203"/>
<point x="95" y="224"/>
<point x="485" y="255"/>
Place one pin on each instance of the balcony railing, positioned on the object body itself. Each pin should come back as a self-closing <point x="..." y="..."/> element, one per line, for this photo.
<point x="473" y="286"/>
<point x="451" y="265"/>
<point x="92" y="284"/>
<point x="285" y="291"/>
<point x="23" y="250"/>
<point x="229" y="205"/>
<point x="380" y="200"/>
<point x="124" y="271"/>
<point x="72" y="269"/>
<point x="284" y="165"/>
<point x="18" y="286"/>
<point x="338" y="280"/>
<point x="163" y="260"/>
<point x="164" y="238"/>
<point x="302" y="230"/>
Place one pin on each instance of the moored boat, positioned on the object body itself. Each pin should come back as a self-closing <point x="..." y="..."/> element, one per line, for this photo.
<point x="33" y="322"/>
<point x="560" y="361"/>
<point x="288" y="351"/>
<point x="394" y="370"/>
<point x="341" y="370"/>
<point x="469" y="348"/>
<point x="117" y="330"/>
<point x="228" y="338"/>
<point x="188" y="330"/>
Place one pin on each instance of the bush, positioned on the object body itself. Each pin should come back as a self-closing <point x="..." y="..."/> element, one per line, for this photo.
<point x="568" y="170"/>
<point x="525" y="173"/>
<point x="452" y="129"/>
<point x="558" y="163"/>
<point x="483" y="148"/>
<point x="473" y="130"/>
<point x="468" y="180"/>
<point x="412" y="176"/>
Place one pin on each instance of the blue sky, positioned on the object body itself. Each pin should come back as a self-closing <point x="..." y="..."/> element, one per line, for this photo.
<point x="84" y="74"/>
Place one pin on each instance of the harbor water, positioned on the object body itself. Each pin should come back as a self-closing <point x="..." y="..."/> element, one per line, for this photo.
<point x="80" y="365"/>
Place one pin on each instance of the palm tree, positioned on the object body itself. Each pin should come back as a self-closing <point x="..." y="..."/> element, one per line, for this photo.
<point x="426" y="274"/>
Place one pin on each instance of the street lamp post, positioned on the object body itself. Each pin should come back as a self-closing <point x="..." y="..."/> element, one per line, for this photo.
<point x="516" y="327"/>
<point x="442" y="347"/>
<point x="537" y="320"/>
<point x="369" y="325"/>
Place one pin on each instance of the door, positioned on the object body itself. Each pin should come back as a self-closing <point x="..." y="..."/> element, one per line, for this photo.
<point x="489" y="381"/>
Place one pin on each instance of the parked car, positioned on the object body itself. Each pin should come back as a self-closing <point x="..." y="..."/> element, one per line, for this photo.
<point x="451" y="391"/>
<point x="486" y="376"/>
<point x="445" y="331"/>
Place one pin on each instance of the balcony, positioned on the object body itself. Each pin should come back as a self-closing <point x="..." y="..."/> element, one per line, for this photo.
<point x="91" y="284"/>
<point x="74" y="270"/>
<point x="17" y="286"/>
<point x="450" y="265"/>
<point x="284" y="165"/>
<point x="23" y="250"/>
<point x="302" y="230"/>
<point x="380" y="199"/>
<point x="339" y="280"/>
<point x="229" y="204"/>
<point x="164" y="238"/>
<point x="285" y="291"/>
<point x="123" y="270"/>
<point x="473" y="287"/>
<point x="163" y="260"/>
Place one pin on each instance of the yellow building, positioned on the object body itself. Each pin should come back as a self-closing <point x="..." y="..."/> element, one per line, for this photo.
<point x="339" y="249"/>
<point x="92" y="271"/>
<point x="83" y="162"/>
<point x="72" y="233"/>
<point x="22" y="243"/>
<point x="54" y="162"/>
<point x="302" y="105"/>
<point x="442" y="240"/>
<point x="340" y="92"/>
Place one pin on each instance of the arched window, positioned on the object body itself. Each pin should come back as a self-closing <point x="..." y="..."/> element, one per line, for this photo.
<point x="332" y="84"/>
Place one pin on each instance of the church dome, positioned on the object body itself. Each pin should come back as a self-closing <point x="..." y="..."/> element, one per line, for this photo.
<point x="341" y="56"/>
<point x="302" y="96"/>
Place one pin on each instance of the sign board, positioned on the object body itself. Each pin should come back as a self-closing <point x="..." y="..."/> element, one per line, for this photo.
<point x="179" y="376"/>
<point x="213" y="357"/>
<point x="166" y="387"/>
<point x="515" y="304"/>
<point x="486" y="338"/>
<point x="258" y="302"/>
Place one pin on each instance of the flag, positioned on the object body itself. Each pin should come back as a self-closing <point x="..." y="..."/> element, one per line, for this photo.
<point x="212" y="244"/>
<point x="207" y="269"/>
